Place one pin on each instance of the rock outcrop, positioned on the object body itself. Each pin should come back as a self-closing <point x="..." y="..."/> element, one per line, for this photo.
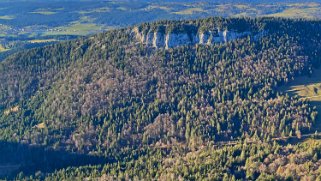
<point x="167" y="40"/>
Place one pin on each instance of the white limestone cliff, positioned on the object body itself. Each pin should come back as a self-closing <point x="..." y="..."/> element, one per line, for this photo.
<point x="177" y="39"/>
<point x="158" y="39"/>
<point x="169" y="40"/>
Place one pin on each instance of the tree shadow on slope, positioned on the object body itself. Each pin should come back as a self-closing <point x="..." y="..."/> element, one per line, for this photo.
<point x="16" y="158"/>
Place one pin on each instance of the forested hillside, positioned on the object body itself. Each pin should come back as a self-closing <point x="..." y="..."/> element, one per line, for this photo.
<point x="112" y="107"/>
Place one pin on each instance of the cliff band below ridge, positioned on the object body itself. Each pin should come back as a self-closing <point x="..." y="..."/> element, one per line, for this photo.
<point x="167" y="40"/>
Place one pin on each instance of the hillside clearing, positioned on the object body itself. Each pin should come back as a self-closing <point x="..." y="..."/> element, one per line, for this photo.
<point x="307" y="87"/>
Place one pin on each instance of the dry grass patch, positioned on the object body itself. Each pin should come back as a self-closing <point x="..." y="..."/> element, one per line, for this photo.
<point x="11" y="110"/>
<point x="307" y="88"/>
<point x="189" y="11"/>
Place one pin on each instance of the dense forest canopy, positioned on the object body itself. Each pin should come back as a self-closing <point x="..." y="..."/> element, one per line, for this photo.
<point x="123" y="104"/>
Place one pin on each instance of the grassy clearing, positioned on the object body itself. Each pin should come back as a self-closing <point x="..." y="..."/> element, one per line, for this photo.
<point x="41" y="126"/>
<point x="43" y="12"/>
<point x="307" y="88"/>
<point x="84" y="26"/>
<point x="6" y="35"/>
<point x="122" y="8"/>
<point x="292" y="13"/>
<point x="6" y="17"/>
<point x="2" y="49"/>
<point x="85" y="19"/>
<point x="98" y="10"/>
<point x="222" y="8"/>
<point x="11" y="110"/>
<point x="296" y="10"/>
<point x="164" y="8"/>
<point x="243" y="14"/>
<point x="307" y="4"/>
<point x="80" y="29"/>
<point x="42" y="40"/>
<point x="190" y="11"/>
<point x="241" y="6"/>
<point x="59" y="9"/>
<point x="310" y="91"/>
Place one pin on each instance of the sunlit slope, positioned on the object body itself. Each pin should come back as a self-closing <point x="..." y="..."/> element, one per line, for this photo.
<point x="307" y="88"/>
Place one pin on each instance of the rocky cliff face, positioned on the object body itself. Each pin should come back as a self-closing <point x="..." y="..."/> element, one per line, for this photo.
<point x="174" y="39"/>
<point x="178" y="39"/>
